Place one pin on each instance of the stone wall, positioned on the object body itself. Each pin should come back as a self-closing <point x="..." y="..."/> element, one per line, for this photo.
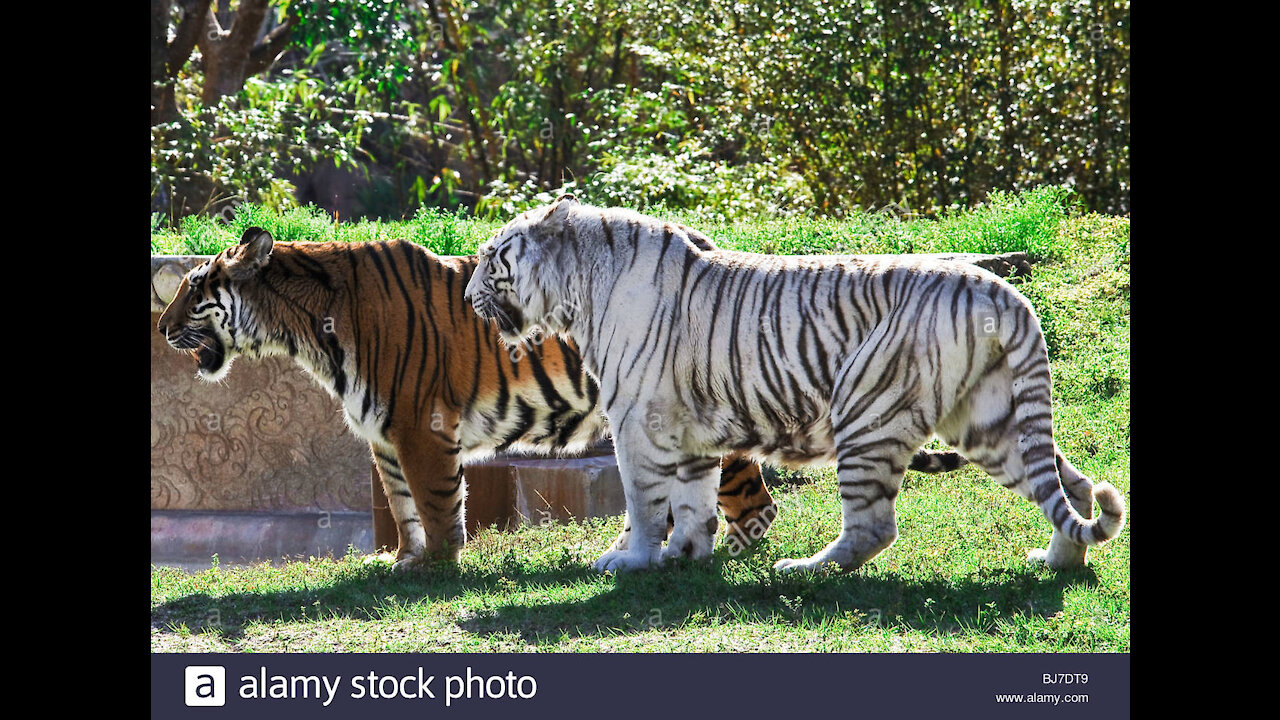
<point x="266" y="438"/>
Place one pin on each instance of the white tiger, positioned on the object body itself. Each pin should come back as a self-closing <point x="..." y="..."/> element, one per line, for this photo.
<point x="857" y="360"/>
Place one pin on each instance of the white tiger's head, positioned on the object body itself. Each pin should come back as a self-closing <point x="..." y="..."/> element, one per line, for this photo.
<point x="504" y="287"/>
<point x="208" y="316"/>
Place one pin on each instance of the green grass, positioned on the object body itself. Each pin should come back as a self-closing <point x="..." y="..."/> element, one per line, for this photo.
<point x="442" y="233"/>
<point x="1027" y="222"/>
<point x="955" y="581"/>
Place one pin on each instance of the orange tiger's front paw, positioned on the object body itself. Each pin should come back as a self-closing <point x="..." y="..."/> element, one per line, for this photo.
<point x="382" y="558"/>
<point x="409" y="562"/>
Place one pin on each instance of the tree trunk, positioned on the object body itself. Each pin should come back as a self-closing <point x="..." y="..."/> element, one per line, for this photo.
<point x="1004" y="96"/>
<point x="226" y="51"/>
<point x="230" y="56"/>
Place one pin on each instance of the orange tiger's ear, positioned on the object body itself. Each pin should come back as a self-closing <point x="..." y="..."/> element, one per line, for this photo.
<point x="252" y="254"/>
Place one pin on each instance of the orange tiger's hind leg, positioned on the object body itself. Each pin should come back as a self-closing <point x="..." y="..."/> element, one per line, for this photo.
<point x="746" y="503"/>
<point x="431" y="479"/>
<point x="749" y="509"/>
<point x="411" y="540"/>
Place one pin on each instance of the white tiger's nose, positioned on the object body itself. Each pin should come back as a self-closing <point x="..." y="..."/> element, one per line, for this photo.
<point x="469" y="294"/>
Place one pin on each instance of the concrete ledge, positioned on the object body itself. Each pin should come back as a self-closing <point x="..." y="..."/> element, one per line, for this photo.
<point x="189" y="539"/>
<point x="548" y="490"/>
<point x="1003" y="265"/>
<point x="500" y="493"/>
<point x="167" y="272"/>
<point x="537" y="491"/>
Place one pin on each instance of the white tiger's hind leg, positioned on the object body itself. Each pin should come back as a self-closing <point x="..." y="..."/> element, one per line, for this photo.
<point x="869" y="483"/>
<point x="878" y="427"/>
<point x="1003" y="461"/>
<point x="1063" y="552"/>
<point x="984" y="427"/>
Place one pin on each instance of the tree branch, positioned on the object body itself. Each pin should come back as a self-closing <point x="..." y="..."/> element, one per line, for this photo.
<point x="264" y="54"/>
<point x="194" y="13"/>
<point x="167" y="59"/>
<point x="244" y="29"/>
<point x="226" y="52"/>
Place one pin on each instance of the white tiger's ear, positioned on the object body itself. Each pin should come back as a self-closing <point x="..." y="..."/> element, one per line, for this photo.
<point x="558" y="214"/>
<point x="252" y="254"/>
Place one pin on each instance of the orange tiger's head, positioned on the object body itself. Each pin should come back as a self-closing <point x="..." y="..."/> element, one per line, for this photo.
<point x="209" y="316"/>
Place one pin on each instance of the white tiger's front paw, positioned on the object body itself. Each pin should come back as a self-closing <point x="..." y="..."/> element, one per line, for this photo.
<point x="620" y="561"/>
<point x="694" y="547"/>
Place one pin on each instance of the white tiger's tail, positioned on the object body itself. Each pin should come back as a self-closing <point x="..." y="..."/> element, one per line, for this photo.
<point x="1028" y="359"/>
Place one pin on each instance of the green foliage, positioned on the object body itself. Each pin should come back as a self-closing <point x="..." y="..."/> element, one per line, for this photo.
<point x="1027" y="222"/>
<point x="383" y="33"/>
<point x="441" y="232"/>
<point x="861" y="105"/>
<point x="726" y="110"/>
<point x="932" y="106"/>
<point x="444" y="233"/>
<point x="1032" y="222"/>
<point x="246" y="147"/>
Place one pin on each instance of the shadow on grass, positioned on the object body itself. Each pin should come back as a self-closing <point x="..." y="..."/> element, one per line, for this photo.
<point x="725" y="591"/>
<point x="370" y="592"/>
<point x="706" y="596"/>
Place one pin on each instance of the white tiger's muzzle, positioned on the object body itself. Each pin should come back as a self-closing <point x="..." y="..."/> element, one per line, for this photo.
<point x="494" y="306"/>
<point x="510" y="320"/>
